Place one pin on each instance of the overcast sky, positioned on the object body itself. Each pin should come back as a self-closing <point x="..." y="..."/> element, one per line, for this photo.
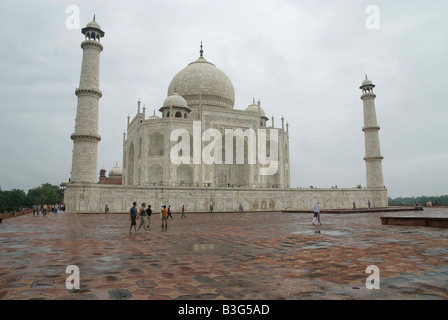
<point x="305" y="60"/>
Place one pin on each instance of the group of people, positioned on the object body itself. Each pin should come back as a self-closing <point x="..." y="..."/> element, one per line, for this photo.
<point x="45" y="209"/>
<point x="144" y="214"/>
<point x="417" y="206"/>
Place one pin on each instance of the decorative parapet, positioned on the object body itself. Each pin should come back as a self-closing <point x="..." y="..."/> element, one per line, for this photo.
<point x="208" y="100"/>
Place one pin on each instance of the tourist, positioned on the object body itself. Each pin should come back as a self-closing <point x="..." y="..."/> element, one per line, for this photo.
<point x="354" y="205"/>
<point x="133" y="216"/>
<point x="169" y="212"/>
<point x="316" y="213"/>
<point x="368" y="204"/>
<point x="143" y="221"/>
<point x="148" y="216"/>
<point x="183" y="212"/>
<point x="106" y="208"/>
<point x="164" y="217"/>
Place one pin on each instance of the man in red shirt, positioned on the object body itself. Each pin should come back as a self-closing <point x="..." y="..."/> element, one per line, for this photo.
<point x="183" y="212"/>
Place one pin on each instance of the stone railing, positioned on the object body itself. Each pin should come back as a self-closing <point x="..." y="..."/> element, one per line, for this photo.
<point x="15" y="214"/>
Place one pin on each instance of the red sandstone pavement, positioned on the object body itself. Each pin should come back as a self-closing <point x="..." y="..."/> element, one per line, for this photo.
<point x="223" y="256"/>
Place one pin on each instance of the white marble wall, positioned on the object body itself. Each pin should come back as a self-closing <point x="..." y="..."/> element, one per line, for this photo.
<point x="93" y="198"/>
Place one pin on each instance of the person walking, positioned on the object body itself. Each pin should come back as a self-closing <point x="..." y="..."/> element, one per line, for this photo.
<point x="133" y="216"/>
<point x="316" y="213"/>
<point x="164" y="217"/>
<point x="143" y="221"/>
<point x="169" y="212"/>
<point x="183" y="212"/>
<point x="369" y="204"/>
<point x="148" y="215"/>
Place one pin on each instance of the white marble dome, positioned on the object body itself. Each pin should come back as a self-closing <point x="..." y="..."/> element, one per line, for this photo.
<point x="115" y="171"/>
<point x="153" y="117"/>
<point x="203" y="78"/>
<point x="254" y="109"/>
<point x="175" y="100"/>
<point x="93" y="24"/>
<point x="367" y="82"/>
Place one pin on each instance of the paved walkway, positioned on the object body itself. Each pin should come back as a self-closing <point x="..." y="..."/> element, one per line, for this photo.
<point x="223" y="256"/>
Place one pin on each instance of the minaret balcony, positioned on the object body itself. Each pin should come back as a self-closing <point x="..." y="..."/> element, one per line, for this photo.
<point x="373" y="128"/>
<point x="91" y="92"/>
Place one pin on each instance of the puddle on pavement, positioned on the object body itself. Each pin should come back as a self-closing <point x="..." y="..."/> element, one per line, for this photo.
<point x="317" y="245"/>
<point x="104" y="268"/>
<point x="109" y="259"/>
<point x="336" y="233"/>
<point x="205" y="248"/>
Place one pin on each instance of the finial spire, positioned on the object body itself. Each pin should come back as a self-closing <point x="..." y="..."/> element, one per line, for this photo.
<point x="93" y="17"/>
<point x="366" y="75"/>
<point x="201" y="51"/>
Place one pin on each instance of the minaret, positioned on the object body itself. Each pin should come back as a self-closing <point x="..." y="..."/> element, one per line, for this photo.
<point x="373" y="157"/>
<point x="86" y="138"/>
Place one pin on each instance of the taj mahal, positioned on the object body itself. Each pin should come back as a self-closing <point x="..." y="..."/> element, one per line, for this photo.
<point x="200" y="151"/>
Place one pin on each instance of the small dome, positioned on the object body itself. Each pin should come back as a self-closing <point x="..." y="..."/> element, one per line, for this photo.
<point x="153" y="116"/>
<point x="115" y="171"/>
<point x="175" y="100"/>
<point x="93" y="24"/>
<point x="254" y="109"/>
<point x="367" y="82"/>
<point x="64" y="183"/>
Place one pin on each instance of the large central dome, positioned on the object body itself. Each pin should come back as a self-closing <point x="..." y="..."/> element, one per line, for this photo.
<point x="202" y="79"/>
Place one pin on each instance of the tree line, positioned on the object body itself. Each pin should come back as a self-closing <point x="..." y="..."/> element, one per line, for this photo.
<point x="17" y="198"/>
<point x="439" y="200"/>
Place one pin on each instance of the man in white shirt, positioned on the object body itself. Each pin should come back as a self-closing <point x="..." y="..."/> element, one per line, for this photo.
<point x="316" y="213"/>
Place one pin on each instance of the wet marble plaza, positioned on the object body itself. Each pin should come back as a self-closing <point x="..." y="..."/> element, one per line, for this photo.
<point x="208" y="256"/>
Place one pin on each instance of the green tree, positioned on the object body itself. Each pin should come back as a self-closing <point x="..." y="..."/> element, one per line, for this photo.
<point x="420" y="199"/>
<point x="13" y="198"/>
<point x="45" y="194"/>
